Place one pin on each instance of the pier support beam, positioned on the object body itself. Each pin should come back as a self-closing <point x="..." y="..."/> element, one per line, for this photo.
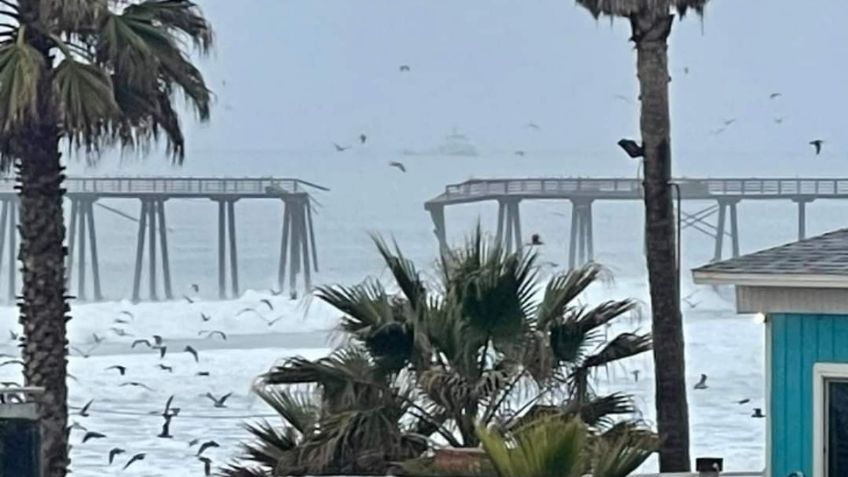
<point x="437" y="215"/>
<point x="151" y="223"/>
<point x="723" y="206"/>
<point x="227" y="240"/>
<point x="509" y="225"/>
<point x="82" y="239"/>
<point x="581" y="245"/>
<point x="297" y="245"/>
<point x="802" y="217"/>
<point x="9" y="229"/>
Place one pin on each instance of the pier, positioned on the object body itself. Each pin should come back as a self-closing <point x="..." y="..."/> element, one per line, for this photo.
<point x="722" y="197"/>
<point x="298" y="255"/>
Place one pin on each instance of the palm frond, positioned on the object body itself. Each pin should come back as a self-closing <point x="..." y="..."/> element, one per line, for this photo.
<point x="621" y="456"/>
<point x="86" y="103"/>
<point x="622" y="346"/>
<point x="299" y="410"/>
<point x="21" y="68"/>
<point x="628" y="8"/>
<point x="270" y="444"/>
<point x="365" y="307"/>
<point x="546" y="448"/>
<point x="561" y="290"/>
<point x="404" y="272"/>
<point x="177" y="16"/>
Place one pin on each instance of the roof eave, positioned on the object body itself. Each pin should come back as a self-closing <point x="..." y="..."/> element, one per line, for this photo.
<point x="787" y="280"/>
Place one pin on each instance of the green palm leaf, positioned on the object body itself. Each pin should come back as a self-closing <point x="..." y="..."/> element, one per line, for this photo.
<point x="404" y="272"/>
<point x="86" y="102"/>
<point x="21" y="68"/>
<point x="299" y="410"/>
<point x="561" y="290"/>
<point x="623" y="454"/>
<point x="622" y="346"/>
<point x="545" y="448"/>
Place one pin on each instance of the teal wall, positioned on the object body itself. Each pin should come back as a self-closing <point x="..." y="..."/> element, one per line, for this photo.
<point x="797" y="343"/>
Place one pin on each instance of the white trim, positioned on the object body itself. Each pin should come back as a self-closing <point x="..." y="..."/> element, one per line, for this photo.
<point x="799" y="280"/>
<point x="806" y="300"/>
<point x="821" y="373"/>
<point x="768" y="406"/>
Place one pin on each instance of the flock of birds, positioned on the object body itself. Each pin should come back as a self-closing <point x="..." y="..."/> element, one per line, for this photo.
<point x="160" y="345"/>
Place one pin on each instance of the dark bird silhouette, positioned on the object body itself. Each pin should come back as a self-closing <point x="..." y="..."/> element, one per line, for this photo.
<point x="211" y="333"/>
<point x="267" y="303"/>
<point x="120" y="321"/>
<point x="158" y="340"/>
<point x="77" y="426"/>
<point x="743" y="401"/>
<point x="362" y="138"/>
<point x="115" y="452"/>
<point x="685" y="70"/>
<point x="533" y="125"/>
<point x="195" y="288"/>
<point x="193" y="442"/>
<point x="167" y="410"/>
<point x="817" y="144"/>
<point x="728" y="122"/>
<point x="248" y="310"/>
<point x="716" y="132"/>
<point x="84" y="411"/>
<point x="97" y="339"/>
<point x="92" y="435"/>
<point x="134" y="459"/>
<point x="207" y="465"/>
<point x="203" y="373"/>
<point x="162" y="351"/>
<point x="341" y="148"/>
<point x="127" y="313"/>
<point x="779" y="120"/>
<point x="398" y="165"/>
<point x="535" y="240"/>
<point x="275" y="320"/>
<point x="141" y="342"/>
<point x="193" y="352"/>
<point x="219" y="402"/>
<point x="623" y="98"/>
<point x="205" y="317"/>
<point x="690" y="303"/>
<point x="13" y="336"/>
<point x="188" y="299"/>
<point x="404" y="69"/>
<point x="206" y="445"/>
<point x="635" y="374"/>
<point x="169" y="369"/>
<point x="166" y="428"/>
<point x="775" y="95"/>
<point x="519" y="153"/>
<point x="11" y="361"/>
<point x="136" y="384"/>
<point x="81" y="353"/>
<point x="758" y="413"/>
<point x="631" y="147"/>
<point x="702" y="384"/>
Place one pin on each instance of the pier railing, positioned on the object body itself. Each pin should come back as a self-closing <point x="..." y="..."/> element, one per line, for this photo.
<point x="179" y="186"/>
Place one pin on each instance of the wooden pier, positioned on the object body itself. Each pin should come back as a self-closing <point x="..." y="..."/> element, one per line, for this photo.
<point x="722" y="195"/>
<point x="298" y="254"/>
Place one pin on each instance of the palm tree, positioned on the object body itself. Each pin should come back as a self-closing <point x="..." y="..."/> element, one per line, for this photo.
<point x="89" y="73"/>
<point x="555" y="447"/>
<point x="487" y="343"/>
<point x="651" y="22"/>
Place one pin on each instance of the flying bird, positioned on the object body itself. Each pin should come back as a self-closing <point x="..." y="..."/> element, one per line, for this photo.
<point x="690" y="303"/>
<point x="81" y="353"/>
<point x="77" y="426"/>
<point x="685" y="70"/>
<point x="779" y="120"/>
<point x="758" y="413"/>
<point x="341" y="148"/>
<point x="202" y="373"/>
<point x="275" y="320"/>
<point x="11" y="361"/>
<point x="207" y="465"/>
<point x="404" y="69"/>
<point x="635" y="374"/>
<point x="121" y="321"/>
<point x="268" y="303"/>
<point x="533" y="125"/>
<point x="535" y="240"/>
<point x="743" y="401"/>
<point x="206" y="445"/>
<point x="728" y="122"/>
<point x="362" y="138"/>
<point x="84" y="411"/>
<point x="188" y="299"/>
<point x="116" y="451"/>
<point x="817" y="144"/>
<point x="193" y="442"/>
<point x="248" y="310"/>
<point x="136" y="384"/>
<point x="134" y="459"/>
<point x="624" y="98"/>
<point x="169" y="369"/>
<point x="13" y="336"/>
<point x="97" y="339"/>
<point x="398" y="165"/>
<point x="775" y="95"/>
<point x="141" y="342"/>
<point x="193" y="352"/>
<point x="158" y="340"/>
<point x="632" y="148"/>
<point x="702" y="384"/>
<point x="716" y="132"/>
<point x="519" y="153"/>
<point x="219" y="402"/>
<point x="195" y="288"/>
<point x="211" y="333"/>
<point x="205" y="317"/>
<point x="92" y="435"/>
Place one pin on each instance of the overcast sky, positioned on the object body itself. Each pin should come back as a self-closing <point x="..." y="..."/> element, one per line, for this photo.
<point x="297" y="75"/>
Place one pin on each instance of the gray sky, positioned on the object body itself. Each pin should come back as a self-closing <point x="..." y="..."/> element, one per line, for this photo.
<point x="298" y="75"/>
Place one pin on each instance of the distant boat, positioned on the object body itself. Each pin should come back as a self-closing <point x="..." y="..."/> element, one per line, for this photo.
<point x="454" y="144"/>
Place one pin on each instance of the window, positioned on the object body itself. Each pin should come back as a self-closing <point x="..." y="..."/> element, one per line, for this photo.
<point x="830" y="420"/>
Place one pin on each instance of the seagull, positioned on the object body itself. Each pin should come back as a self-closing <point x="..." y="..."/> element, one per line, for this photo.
<point x="635" y="374"/>
<point x="169" y="369"/>
<point x="623" y="98"/>
<point x="97" y="339"/>
<point x="685" y="70"/>
<point x="206" y="445"/>
<point x="81" y="353"/>
<point x="404" y="69"/>
<point x="114" y="452"/>
<point x="398" y="165"/>
<point x="275" y="320"/>
<point x="207" y="465"/>
<point x="141" y="342"/>
<point x="519" y="153"/>
<point x="775" y="95"/>
<point x="84" y="411"/>
<point x="532" y="125"/>
<point x="743" y="401"/>
<point x="193" y="442"/>
<point x="535" y="240"/>
<point x="758" y="413"/>
<point x="219" y="402"/>
<point x="135" y="458"/>
<point x="248" y="310"/>
<point x="11" y="361"/>
<point x="76" y="425"/>
<point x="121" y="321"/>
<point x="158" y="340"/>
<point x="268" y="303"/>
<point x="779" y="120"/>
<point x="92" y="435"/>
<point x="631" y="147"/>
<point x="166" y="428"/>
<point x="188" y="299"/>
<point x="195" y="287"/>
<point x="136" y="384"/>
<point x="728" y="122"/>
<point x="189" y="349"/>
<point x="362" y="138"/>
<point x="211" y="333"/>
<point x="702" y="384"/>
<point x="202" y="373"/>
<point x="205" y="317"/>
<point x="341" y="148"/>
<point x="817" y="144"/>
<point x="716" y="132"/>
<point x="167" y="410"/>
<point x="690" y="303"/>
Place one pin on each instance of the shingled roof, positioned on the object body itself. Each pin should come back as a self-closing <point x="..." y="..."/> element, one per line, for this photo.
<point x="815" y="262"/>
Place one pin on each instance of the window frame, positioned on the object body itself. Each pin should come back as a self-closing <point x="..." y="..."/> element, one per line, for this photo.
<point x="822" y="373"/>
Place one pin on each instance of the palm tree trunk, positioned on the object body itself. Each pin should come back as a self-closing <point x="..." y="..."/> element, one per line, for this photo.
<point x="43" y="307"/>
<point x="650" y="32"/>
